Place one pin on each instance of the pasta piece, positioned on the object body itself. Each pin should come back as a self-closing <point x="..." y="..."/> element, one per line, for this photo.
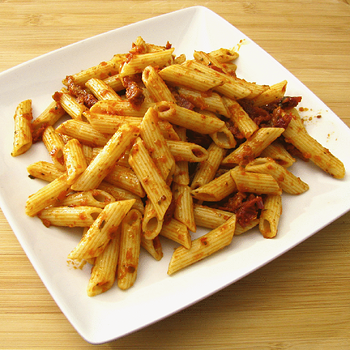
<point x="273" y="93"/>
<point x="189" y="119"/>
<point x="158" y="192"/>
<point x="47" y="195"/>
<point x="114" y="82"/>
<point x="210" y="101"/>
<point x="102" y="230"/>
<point x="101" y="71"/>
<point x="130" y="243"/>
<point x="81" y="216"/>
<point x="286" y="180"/>
<point x="55" y="146"/>
<point x="138" y="62"/>
<point x="123" y="108"/>
<point x="311" y="148"/>
<point x="103" y="272"/>
<point x="153" y="247"/>
<point x="207" y="169"/>
<point x="120" y="194"/>
<point x="212" y="218"/>
<point x="74" y="160"/>
<point x="203" y="246"/>
<point x="224" y="55"/>
<point x="180" y="75"/>
<point x="240" y="118"/>
<point x="104" y="161"/>
<point x="101" y="90"/>
<point x="184" y="206"/>
<point x="52" y="113"/>
<point x="109" y="124"/>
<point x="279" y="154"/>
<point x="157" y="145"/>
<point x="187" y="151"/>
<point x="156" y="86"/>
<point x="44" y="170"/>
<point x="151" y="225"/>
<point x="177" y="232"/>
<point x="73" y="108"/>
<point x="258" y="183"/>
<point x="252" y="147"/>
<point x="224" y="138"/>
<point x="217" y="189"/>
<point x="126" y="179"/>
<point x="270" y="216"/>
<point x="93" y="198"/>
<point x="82" y="131"/>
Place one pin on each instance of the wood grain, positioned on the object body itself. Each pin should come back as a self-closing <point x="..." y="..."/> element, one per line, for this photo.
<point x="299" y="301"/>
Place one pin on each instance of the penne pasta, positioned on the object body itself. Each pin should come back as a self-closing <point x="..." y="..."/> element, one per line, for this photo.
<point x="154" y="185"/>
<point x="103" y="272"/>
<point x="203" y="246"/>
<point x="270" y="215"/>
<point x="104" y="161"/>
<point x="101" y="90"/>
<point x="74" y="160"/>
<point x="187" y="151"/>
<point x="55" y="146"/>
<point x="177" y="232"/>
<point x="286" y="180"/>
<point x="103" y="229"/>
<point x="130" y="243"/>
<point x="44" y="170"/>
<point x="93" y="198"/>
<point x="79" y="216"/>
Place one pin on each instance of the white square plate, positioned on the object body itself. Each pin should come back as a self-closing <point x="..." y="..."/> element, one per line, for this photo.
<point x="156" y="295"/>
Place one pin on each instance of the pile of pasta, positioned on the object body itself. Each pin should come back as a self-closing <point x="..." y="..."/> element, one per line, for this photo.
<point x="150" y="144"/>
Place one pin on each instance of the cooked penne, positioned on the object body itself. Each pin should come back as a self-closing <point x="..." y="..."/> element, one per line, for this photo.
<point x="126" y="179"/>
<point x="154" y="185"/>
<point x="151" y="225"/>
<point x="184" y="206"/>
<point x="203" y="246"/>
<point x="101" y="71"/>
<point x="189" y="119"/>
<point x="217" y="189"/>
<point x="177" y="74"/>
<point x="115" y="107"/>
<point x="156" y="86"/>
<point x="92" y="198"/>
<point x="74" y="160"/>
<point x="156" y="144"/>
<point x="73" y="108"/>
<point x="120" y="194"/>
<point x="153" y="247"/>
<point x="101" y="90"/>
<point x="80" y="216"/>
<point x="138" y="62"/>
<point x="212" y="218"/>
<point x="103" y="272"/>
<point x="286" y="180"/>
<point x="130" y="243"/>
<point x="207" y="169"/>
<point x="240" y="118"/>
<point x="177" y="232"/>
<point x="273" y="93"/>
<point x="252" y="148"/>
<point x="270" y="215"/>
<point x="47" y="195"/>
<point x="55" y="146"/>
<point x="210" y="101"/>
<point x="114" y="82"/>
<point x="102" y="230"/>
<point x="52" y="113"/>
<point x="82" y="131"/>
<point x="104" y="161"/>
<point x="224" y="138"/>
<point x="311" y="148"/>
<point x="187" y="151"/>
<point x="258" y="183"/>
<point x="109" y="124"/>
<point x="279" y="154"/>
<point x="44" y="170"/>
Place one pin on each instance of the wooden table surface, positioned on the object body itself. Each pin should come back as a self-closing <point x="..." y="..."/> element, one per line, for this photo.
<point x="299" y="301"/>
